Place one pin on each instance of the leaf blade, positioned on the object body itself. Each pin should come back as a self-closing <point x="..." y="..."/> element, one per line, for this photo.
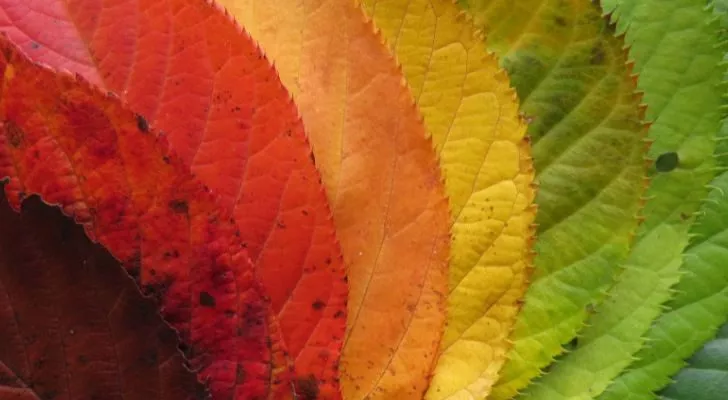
<point x="186" y="67"/>
<point x="76" y="147"/>
<point x="76" y="323"/>
<point x="471" y="114"/>
<point x="382" y="180"/>
<point x="571" y="75"/>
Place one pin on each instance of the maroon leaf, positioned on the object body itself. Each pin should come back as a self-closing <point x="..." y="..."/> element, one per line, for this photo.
<point x="73" y="324"/>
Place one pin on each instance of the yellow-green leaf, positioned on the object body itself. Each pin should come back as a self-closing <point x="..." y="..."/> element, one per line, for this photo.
<point x="571" y="74"/>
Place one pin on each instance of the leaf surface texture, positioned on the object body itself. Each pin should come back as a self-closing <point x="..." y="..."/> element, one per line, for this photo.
<point x="193" y="74"/>
<point x="74" y="323"/>
<point x="677" y="50"/>
<point x="471" y="113"/>
<point x="706" y="375"/>
<point x="382" y="180"/>
<point x="80" y="149"/>
<point x="571" y="74"/>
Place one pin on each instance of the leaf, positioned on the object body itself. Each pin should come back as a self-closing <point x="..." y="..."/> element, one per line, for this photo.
<point x="78" y="148"/>
<point x="472" y="115"/>
<point x="698" y="309"/>
<point x="687" y="114"/>
<point x="191" y="71"/>
<point x="570" y="73"/>
<point x="74" y="324"/>
<point x="382" y="180"/>
<point x="706" y="377"/>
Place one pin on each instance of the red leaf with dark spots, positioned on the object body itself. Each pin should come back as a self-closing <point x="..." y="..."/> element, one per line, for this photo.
<point x="196" y="76"/>
<point x="79" y="148"/>
<point x="74" y="325"/>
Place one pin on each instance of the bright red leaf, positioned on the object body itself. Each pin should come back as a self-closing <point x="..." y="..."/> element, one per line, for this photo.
<point x="74" y="325"/>
<point x="79" y="148"/>
<point x="196" y="76"/>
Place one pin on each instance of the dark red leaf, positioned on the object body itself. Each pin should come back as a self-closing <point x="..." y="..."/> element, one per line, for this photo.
<point x="73" y="325"/>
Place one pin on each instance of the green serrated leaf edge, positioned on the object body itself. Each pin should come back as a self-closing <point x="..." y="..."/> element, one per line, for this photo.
<point x="615" y="332"/>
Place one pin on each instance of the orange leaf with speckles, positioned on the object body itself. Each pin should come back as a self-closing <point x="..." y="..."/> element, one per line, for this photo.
<point x="196" y="76"/>
<point x="74" y="323"/>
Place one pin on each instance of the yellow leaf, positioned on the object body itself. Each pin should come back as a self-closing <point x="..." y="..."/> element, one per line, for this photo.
<point x="472" y="114"/>
<point x="383" y="182"/>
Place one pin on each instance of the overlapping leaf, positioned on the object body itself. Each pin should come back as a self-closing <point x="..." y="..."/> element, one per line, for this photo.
<point x="615" y="332"/>
<point x="185" y="66"/>
<point x="472" y="115"/>
<point x="74" y="325"/>
<point x="706" y="377"/>
<point x="570" y="73"/>
<point x="678" y="52"/>
<point x="698" y="309"/>
<point x="382" y="180"/>
<point x="79" y="148"/>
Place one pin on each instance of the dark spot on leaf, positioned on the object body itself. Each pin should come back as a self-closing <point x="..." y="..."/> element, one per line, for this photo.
<point x="156" y="290"/>
<point x="339" y="314"/>
<point x="15" y="134"/>
<point x="142" y="124"/>
<point x="307" y="388"/>
<point x="666" y="162"/>
<point x="179" y="206"/>
<point x="207" y="300"/>
<point x="82" y="359"/>
<point x="597" y="55"/>
<point x="7" y="53"/>
<point x="560" y="21"/>
<point x="239" y="374"/>
<point x="171" y="254"/>
<point x="34" y="45"/>
<point x="318" y="305"/>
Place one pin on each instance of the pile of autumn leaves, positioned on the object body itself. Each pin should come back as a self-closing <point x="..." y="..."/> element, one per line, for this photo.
<point x="359" y="220"/>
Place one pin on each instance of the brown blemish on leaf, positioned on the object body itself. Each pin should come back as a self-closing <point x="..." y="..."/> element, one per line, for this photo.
<point x="307" y="388"/>
<point x="207" y="300"/>
<point x="179" y="206"/>
<point x="597" y="55"/>
<point x="318" y="305"/>
<point x="14" y="133"/>
<point x="142" y="124"/>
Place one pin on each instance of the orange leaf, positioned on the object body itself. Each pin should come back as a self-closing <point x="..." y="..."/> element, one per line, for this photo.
<point x="73" y="321"/>
<point x="185" y="66"/>
<point x="80" y="149"/>
<point x="382" y="180"/>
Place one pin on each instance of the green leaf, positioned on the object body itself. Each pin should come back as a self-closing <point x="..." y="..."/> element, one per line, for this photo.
<point x="676" y="54"/>
<point x="699" y="308"/>
<point x="706" y="377"/>
<point x="569" y="70"/>
<point x="678" y="51"/>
